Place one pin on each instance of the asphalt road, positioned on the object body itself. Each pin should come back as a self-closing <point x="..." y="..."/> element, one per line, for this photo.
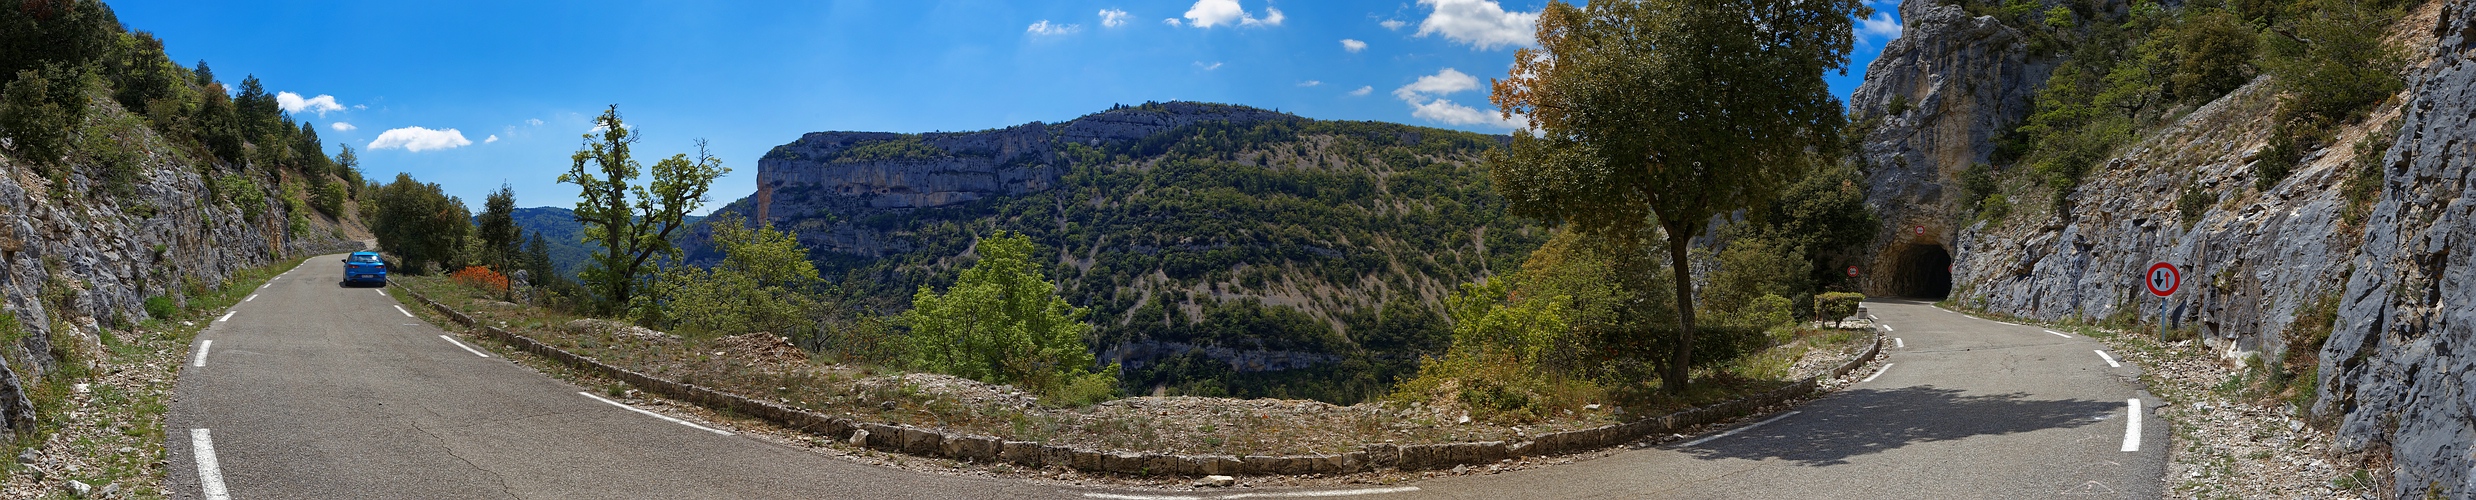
<point x="1965" y="408"/>
<point x="310" y="389"/>
<point x="317" y="391"/>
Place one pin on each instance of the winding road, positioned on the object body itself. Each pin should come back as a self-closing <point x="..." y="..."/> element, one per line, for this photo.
<point x="310" y="389"/>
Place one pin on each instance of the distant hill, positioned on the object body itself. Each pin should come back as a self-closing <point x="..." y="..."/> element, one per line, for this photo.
<point x="1223" y="250"/>
<point x="563" y="235"/>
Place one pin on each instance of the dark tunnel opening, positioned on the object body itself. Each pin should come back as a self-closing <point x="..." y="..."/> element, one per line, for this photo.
<point x="1922" y="272"/>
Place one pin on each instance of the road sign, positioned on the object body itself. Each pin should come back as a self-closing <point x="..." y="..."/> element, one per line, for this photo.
<point x="1921" y="230"/>
<point x="1852" y="271"/>
<point x="2163" y="278"/>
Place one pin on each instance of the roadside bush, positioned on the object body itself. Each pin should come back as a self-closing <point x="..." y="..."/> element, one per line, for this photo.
<point x="243" y="192"/>
<point x="328" y="198"/>
<point x="161" y="307"/>
<point x="2194" y="203"/>
<point x="1751" y="269"/>
<point x="39" y="110"/>
<point x="1002" y="322"/>
<point x="764" y="283"/>
<point x="1836" y="306"/>
<point x="481" y="278"/>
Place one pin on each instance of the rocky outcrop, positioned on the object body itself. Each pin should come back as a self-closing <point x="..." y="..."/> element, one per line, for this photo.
<point x="73" y="263"/>
<point x="2398" y="367"/>
<point x="1939" y="95"/>
<point x="1136" y="355"/>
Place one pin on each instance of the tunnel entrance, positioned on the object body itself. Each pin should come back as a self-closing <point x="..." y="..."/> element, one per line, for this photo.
<point x="1921" y="271"/>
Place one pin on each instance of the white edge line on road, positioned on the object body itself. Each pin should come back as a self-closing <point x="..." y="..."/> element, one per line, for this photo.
<point x="1116" y="496"/>
<point x="1886" y="328"/>
<point x="452" y="340"/>
<point x="210" y="475"/>
<point x="2132" y="424"/>
<point x="655" y="415"/>
<point x="2110" y="360"/>
<point x="1325" y="493"/>
<point x="1732" y="432"/>
<point x="2008" y="323"/>
<point x="251" y="297"/>
<point x="1897" y="344"/>
<point x="200" y="359"/>
<point x="2058" y="334"/>
<point x="382" y="293"/>
<point x="400" y="309"/>
<point x="1877" y="373"/>
<point x="227" y="315"/>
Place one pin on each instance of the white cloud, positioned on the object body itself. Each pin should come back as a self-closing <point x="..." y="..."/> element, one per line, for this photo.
<point x="1310" y="83"/>
<point x="293" y="103"/>
<point x="1209" y="13"/>
<point x="1426" y="99"/>
<point x="1208" y="67"/>
<point x="533" y="121"/>
<point x="1443" y="82"/>
<point x="493" y="138"/>
<point x="341" y="126"/>
<point x="1362" y="91"/>
<point x="1172" y="22"/>
<point x="417" y="139"/>
<point x="1881" y="26"/>
<point x="1111" y="18"/>
<point x="358" y="107"/>
<point x="1353" y="45"/>
<point x="1044" y="27"/>
<point x="1481" y="23"/>
<point x="1393" y="24"/>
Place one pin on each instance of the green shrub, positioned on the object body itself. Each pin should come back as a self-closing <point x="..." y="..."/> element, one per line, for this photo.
<point x="1899" y="105"/>
<point x="2363" y="184"/>
<point x="2194" y="203"/>
<point x="764" y="283"/>
<point x="328" y="198"/>
<point x="2215" y="55"/>
<point x="161" y="307"/>
<point x="39" y="110"/>
<point x="1836" y="306"/>
<point x="243" y="192"/>
<point x="1002" y="322"/>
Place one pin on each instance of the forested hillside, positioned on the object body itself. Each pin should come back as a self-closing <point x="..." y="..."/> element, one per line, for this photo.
<point x="1249" y="254"/>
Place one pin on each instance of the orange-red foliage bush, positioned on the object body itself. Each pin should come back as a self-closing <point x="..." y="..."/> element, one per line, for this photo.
<point x="482" y="278"/>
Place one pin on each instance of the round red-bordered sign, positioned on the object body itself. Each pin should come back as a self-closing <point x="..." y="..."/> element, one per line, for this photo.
<point x="1852" y="271"/>
<point x="2164" y="278"/>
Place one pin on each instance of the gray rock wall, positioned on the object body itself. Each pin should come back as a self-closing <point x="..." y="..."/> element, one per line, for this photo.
<point x="1958" y="82"/>
<point x="2399" y="365"/>
<point x="100" y="256"/>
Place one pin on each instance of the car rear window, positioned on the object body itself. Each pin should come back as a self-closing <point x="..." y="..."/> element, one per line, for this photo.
<point x="365" y="258"/>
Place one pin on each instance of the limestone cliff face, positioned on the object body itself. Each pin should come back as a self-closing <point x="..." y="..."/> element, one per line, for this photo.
<point x="1941" y="92"/>
<point x="814" y="177"/>
<point x="2400" y="363"/>
<point x="72" y="264"/>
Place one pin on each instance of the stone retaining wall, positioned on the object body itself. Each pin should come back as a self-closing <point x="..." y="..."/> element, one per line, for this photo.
<point x="986" y="449"/>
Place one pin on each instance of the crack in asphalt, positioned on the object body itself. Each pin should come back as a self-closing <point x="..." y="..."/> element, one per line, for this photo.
<point x="451" y="451"/>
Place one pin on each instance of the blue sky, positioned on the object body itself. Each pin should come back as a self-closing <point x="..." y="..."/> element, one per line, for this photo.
<point x="518" y="83"/>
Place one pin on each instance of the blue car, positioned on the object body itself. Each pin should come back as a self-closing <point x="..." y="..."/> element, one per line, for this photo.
<point x="365" y="268"/>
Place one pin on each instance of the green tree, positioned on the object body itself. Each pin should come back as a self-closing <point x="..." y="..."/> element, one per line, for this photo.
<point x="70" y="33"/>
<point x="39" y="110"/>
<point x="257" y="110"/>
<point x="1002" y="322"/>
<point x="764" y="283"/>
<point x="419" y="223"/>
<point x="348" y="167"/>
<point x="632" y="222"/>
<point x="498" y="230"/>
<point x="1668" y="112"/>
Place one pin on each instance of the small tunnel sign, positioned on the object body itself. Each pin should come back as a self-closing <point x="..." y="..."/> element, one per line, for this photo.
<point x="2164" y="278"/>
<point x="1852" y="271"/>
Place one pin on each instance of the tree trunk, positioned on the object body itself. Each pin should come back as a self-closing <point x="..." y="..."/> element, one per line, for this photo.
<point x="1680" y="364"/>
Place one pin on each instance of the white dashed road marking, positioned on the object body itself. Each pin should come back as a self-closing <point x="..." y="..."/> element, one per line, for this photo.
<point x="2058" y="334"/>
<point x="2110" y="360"/>
<point x="251" y="298"/>
<point x="200" y="359"/>
<point x="1878" y="373"/>
<point x="382" y="293"/>
<point x="210" y="474"/>
<point x="1886" y="328"/>
<point x="1732" y="432"/>
<point x="227" y="315"/>
<point x="2132" y="424"/>
<point x="1897" y="344"/>
<point x="655" y="415"/>
<point x="400" y="309"/>
<point x="461" y="344"/>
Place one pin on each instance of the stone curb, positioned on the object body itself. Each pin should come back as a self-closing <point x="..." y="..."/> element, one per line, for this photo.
<point x="985" y="449"/>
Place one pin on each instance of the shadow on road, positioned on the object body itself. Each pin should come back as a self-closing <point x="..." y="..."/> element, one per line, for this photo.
<point x="1865" y="421"/>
